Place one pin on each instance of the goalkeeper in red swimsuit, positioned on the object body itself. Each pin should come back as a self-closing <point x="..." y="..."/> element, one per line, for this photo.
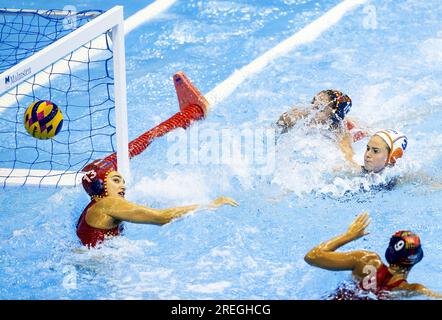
<point x="103" y="216"/>
<point x="403" y="252"/>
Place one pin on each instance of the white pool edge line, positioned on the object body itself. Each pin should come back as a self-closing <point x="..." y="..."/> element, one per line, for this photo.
<point x="148" y="13"/>
<point x="307" y="34"/>
<point x="139" y="18"/>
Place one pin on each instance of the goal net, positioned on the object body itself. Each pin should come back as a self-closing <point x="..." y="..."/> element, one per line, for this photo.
<point x="76" y="61"/>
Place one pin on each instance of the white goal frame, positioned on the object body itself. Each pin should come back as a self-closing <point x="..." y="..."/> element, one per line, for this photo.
<point x="113" y="20"/>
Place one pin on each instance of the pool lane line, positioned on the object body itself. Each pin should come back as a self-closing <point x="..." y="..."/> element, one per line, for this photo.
<point x="307" y="34"/>
<point x="148" y="13"/>
<point x="62" y="66"/>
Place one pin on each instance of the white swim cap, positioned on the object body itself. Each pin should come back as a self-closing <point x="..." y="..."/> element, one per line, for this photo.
<point x="396" y="141"/>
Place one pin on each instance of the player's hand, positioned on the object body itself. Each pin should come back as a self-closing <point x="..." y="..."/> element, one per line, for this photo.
<point x="356" y="229"/>
<point x="223" y="201"/>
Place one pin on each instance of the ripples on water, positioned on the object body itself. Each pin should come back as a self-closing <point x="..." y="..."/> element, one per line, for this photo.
<point x="255" y="251"/>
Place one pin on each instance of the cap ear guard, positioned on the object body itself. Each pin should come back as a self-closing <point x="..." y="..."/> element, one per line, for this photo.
<point x="342" y="104"/>
<point x="97" y="186"/>
<point x="396" y="154"/>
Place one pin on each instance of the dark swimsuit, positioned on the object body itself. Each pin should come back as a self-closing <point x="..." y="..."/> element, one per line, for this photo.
<point x="90" y="236"/>
<point x="388" y="185"/>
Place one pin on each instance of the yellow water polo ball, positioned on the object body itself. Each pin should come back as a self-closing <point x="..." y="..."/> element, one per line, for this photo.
<point x="43" y="119"/>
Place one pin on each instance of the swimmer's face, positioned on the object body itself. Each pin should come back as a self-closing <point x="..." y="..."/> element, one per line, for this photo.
<point x="116" y="184"/>
<point x="376" y="155"/>
<point x="323" y="106"/>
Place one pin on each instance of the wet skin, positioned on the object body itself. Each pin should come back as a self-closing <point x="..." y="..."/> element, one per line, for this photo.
<point x="376" y="155"/>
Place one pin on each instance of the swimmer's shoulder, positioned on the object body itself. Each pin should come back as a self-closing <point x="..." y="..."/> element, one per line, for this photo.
<point x="100" y="214"/>
<point x="108" y="204"/>
<point x="368" y="257"/>
<point x="368" y="262"/>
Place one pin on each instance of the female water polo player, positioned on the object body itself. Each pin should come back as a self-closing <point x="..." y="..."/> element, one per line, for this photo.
<point x="384" y="148"/>
<point x="403" y="252"/>
<point x="107" y="210"/>
<point x="328" y="107"/>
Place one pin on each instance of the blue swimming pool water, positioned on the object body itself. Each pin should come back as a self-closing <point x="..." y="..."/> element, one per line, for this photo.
<point x="391" y="70"/>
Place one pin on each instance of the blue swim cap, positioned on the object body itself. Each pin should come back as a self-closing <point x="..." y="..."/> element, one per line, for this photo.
<point x="342" y="104"/>
<point x="404" y="249"/>
<point x="338" y="101"/>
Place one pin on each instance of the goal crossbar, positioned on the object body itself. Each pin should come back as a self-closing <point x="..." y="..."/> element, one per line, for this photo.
<point x="62" y="13"/>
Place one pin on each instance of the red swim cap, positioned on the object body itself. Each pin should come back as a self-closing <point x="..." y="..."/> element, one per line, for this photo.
<point x="94" y="179"/>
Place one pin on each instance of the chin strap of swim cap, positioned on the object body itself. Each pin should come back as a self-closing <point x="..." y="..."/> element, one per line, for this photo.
<point x="396" y="141"/>
<point x="95" y="178"/>
<point x="404" y="249"/>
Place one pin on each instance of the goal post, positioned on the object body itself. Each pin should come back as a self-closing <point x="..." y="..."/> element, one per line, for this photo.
<point x="83" y="73"/>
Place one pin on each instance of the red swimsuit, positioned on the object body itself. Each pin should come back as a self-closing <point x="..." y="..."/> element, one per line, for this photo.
<point x="383" y="277"/>
<point x="91" y="236"/>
